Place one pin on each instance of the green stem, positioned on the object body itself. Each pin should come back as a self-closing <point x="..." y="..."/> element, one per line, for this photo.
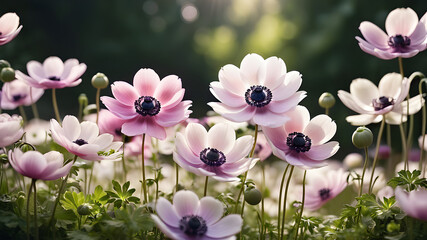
<point x="404" y="150"/>
<point x="55" y="105"/>
<point x="280" y="198"/>
<point x="35" y="208"/>
<point x="123" y="159"/>
<point x="380" y="133"/>
<point x="23" y="114"/>
<point x="365" y="164"/>
<point x="302" y="205"/>
<point x="423" y="126"/>
<point x="144" y="187"/>
<point x="327" y="111"/>
<point x="284" y="202"/>
<point x="206" y="186"/>
<point x="262" y="201"/>
<point x="28" y="210"/>
<point x="390" y="158"/>
<point x="401" y="67"/>
<point x="98" y="93"/>
<point x="34" y="106"/>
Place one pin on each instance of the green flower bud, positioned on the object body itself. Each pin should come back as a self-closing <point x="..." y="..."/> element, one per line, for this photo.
<point x="3" y="158"/>
<point x="84" y="209"/>
<point x="253" y="196"/>
<point x="83" y="101"/>
<point x="100" y="81"/>
<point x="393" y="227"/>
<point x="89" y="109"/>
<point x="3" y="64"/>
<point x="326" y="100"/>
<point x="7" y="74"/>
<point x="362" y="137"/>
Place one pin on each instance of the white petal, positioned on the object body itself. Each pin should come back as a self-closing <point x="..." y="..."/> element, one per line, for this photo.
<point x="185" y="203"/>
<point x="228" y="226"/>
<point x="364" y="91"/>
<point x="210" y="210"/>
<point x="222" y="137"/>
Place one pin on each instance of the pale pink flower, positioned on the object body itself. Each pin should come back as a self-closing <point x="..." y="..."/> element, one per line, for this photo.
<point x="33" y="164"/>
<point x="53" y="73"/>
<point x="324" y="187"/>
<point x="133" y="147"/>
<point x="406" y="36"/>
<point x="18" y="93"/>
<point x="84" y="141"/>
<point x="373" y="103"/>
<point x="109" y="123"/>
<point x="150" y="105"/>
<point x="414" y="203"/>
<point x="261" y="91"/>
<point x="189" y="218"/>
<point x="303" y="142"/>
<point x="10" y="129"/>
<point x="262" y="147"/>
<point x="216" y="153"/>
<point x="9" y="27"/>
<point x="36" y="131"/>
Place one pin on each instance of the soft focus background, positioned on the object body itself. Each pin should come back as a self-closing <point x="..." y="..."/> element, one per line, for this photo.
<point x="193" y="39"/>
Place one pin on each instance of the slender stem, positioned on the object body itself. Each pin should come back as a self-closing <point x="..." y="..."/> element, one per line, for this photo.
<point x="401" y="67"/>
<point x="262" y="201"/>
<point x="35" y="208"/>
<point x="123" y="159"/>
<point x="284" y="202"/>
<point x="28" y="210"/>
<point x="144" y="187"/>
<point x="240" y="192"/>
<point x="90" y="176"/>
<point x="206" y="186"/>
<point x="23" y="114"/>
<point x="380" y="133"/>
<point x="55" y="105"/>
<point x="33" y="105"/>
<point x="404" y="150"/>
<point x="390" y="158"/>
<point x="176" y="177"/>
<point x="327" y="111"/>
<point x="98" y="93"/>
<point x="363" y="173"/>
<point x="423" y="126"/>
<point x="280" y="198"/>
<point x="302" y="205"/>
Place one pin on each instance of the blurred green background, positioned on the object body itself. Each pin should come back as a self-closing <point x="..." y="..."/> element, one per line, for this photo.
<point x="193" y="39"/>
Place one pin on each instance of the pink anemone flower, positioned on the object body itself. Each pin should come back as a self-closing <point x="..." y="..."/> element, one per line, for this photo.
<point x="53" y="73"/>
<point x="323" y="187"/>
<point x="261" y="91"/>
<point x="17" y="93"/>
<point x="10" y="129"/>
<point x="33" y="164"/>
<point x="303" y="142"/>
<point x="189" y="218"/>
<point x="373" y="103"/>
<point x="216" y="153"/>
<point x="406" y="36"/>
<point x="9" y="27"/>
<point x="150" y="105"/>
<point x="84" y="141"/>
<point x="413" y="203"/>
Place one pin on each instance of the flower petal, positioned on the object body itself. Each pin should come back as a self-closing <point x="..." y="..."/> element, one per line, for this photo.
<point x="227" y="226"/>
<point x="146" y="81"/>
<point x="124" y="93"/>
<point x="271" y="72"/>
<point x="53" y="67"/>
<point x="401" y="21"/>
<point x="196" y="136"/>
<point x="167" y="212"/>
<point x="167" y="88"/>
<point x="292" y="82"/>
<point x="119" y="109"/>
<point x="267" y="118"/>
<point x="185" y="203"/>
<point x="229" y="77"/>
<point x="390" y="85"/>
<point x="249" y="67"/>
<point x="233" y="114"/>
<point x="226" y="97"/>
<point x="374" y="35"/>
<point x="210" y="210"/>
<point x="363" y="119"/>
<point x="222" y="137"/>
<point x="364" y="91"/>
<point x="71" y="127"/>
<point x="320" y="129"/>
<point x="324" y="151"/>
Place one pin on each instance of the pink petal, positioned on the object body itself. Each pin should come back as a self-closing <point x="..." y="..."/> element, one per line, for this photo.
<point x="226" y="97"/>
<point x="103" y="140"/>
<point x="249" y="67"/>
<point x="196" y="136"/>
<point x="227" y="226"/>
<point x="190" y="166"/>
<point x="287" y="104"/>
<point x="300" y="117"/>
<point x="32" y="163"/>
<point x="369" y="48"/>
<point x="401" y="21"/>
<point x="276" y="136"/>
<point x="210" y="210"/>
<point x="185" y="203"/>
<point x="322" y="152"/>
<point x="229" y="77"/>
<point x="320" y="129"/>
<point x="419" y="35"/>
<point x="267" y="118"/>
<point x="374" y="35"/>
<point x="75" y="73"/>
<point x="167" y="212"/>
<point x="292" y="82"/>
<point x="241" y="148"/>
<point x="173" y="116"/>
<point x="53" y="67"/>
<point x="68" y="65"/>
<point x="120" y="110"/>
<point x="35" y="70"/>
<point x="59" y="173"/>
<point x="124" y="93"/>
<point x="184" y="151"/>
<point x="141" y="125"/>
<point x="167" y="88"/>
<point x="71" y="127"/>
<point x="222" y="137"/>
<point x="233" y="114"/>
<point x="168" y="231"/>
<point x="271" y="72"/>
<point x="9" y="22"/>
<point x="146" y="81"/>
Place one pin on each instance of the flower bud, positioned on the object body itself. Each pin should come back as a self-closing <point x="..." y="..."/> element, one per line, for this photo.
<point x="362" y="137"/>
<point x="7" y="74"/>
<point x="326" y="100"/>
<point x="89" y="109"/>
<point x="84" y="209"/>
<point x="83" y="101"/>
<point x="393" y="227"/>
<point x="100" y="81"/>
<point x="253" y="196"/>
<point x="3" y="158"/>
<point x="3" y="64"/>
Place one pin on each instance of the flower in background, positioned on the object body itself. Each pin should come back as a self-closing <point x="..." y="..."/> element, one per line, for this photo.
<point x="420" y="142"/>
<point x="10" y="129"/>
<point x="406" y="36"/>
<point x="216" y="153"/>
<point x="373" y="103"/>
<point x="191" y="218"/>
<point x="323" y="187"/>
<point x="150" y="105"/>
<point x="53" y="73"/>
<point x="303" y="142"/>
<point x="133" y="147"/>
<point x="260" y="91"/>
<point x="212" y="120"/>
<point x="17" y="93"/>
<point x="36" y="131"/>
<point x="262" y="147"/>
<point x="109" y="123"/>
<point x="33" y="164"/>
<point x="9" y="27"/>
<point x="84" y="141"/>
<point x="353" y="160"/>
<point x="413" y="203"/>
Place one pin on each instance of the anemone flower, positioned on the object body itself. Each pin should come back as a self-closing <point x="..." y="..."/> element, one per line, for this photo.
<point x="216" y="153"/>
<point x="84" y="141"/>
<point x="189" y="218"/>
<point x="150" y="105"/>
<point x="9" y="27"/>
<point x="33" y="164"/>
<point x="261" y="91"/>
<point x="303" y="142"/>
<point x="10" y="129"/>
<point x="413" y="203"/>
<point x="323" y="187"/>
<point x="18" y="93"/>
<point x="405" y="35"/>
<point x="109" y="123"/>
<point x="373" y="103"/>
<point x="36" y="131"/>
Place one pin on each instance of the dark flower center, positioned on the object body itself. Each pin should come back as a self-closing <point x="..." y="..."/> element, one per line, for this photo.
<point x="212" y="157"/>
<point x="258" y="149"/>
<point x="17" y="97"/>
<point x="147" y="105"/>
<point x="382" y="102"/>
<point x="298" y="142"/>
<point x="54" y="78"/>
<point x="399" y="41"/>
<point x="193" y="225"/>
<point x="80" y="142"/>
<point x="324" y="193"/>
<point x="258" y="96"/>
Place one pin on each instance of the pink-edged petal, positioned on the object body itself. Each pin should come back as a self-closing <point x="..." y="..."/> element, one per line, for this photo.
<point x="175" y="100"/>
<point x="390" y="85"/>
<point x="75" y="73"/>
<point x="53" y="67"/>
<point x="210" y="210"/>
<point x="32" y="164"/>
<point x="61" y="172"/>
<point x="71" y="127"/>
<point x="370" y="49"/>
<point x="300" y="117"/>
<point x="167" y="212"/>
<point x="363" y="119"/>
<point x="120" y="110"/>
<point x="401" y="21"/>
<point x="222" y="137"/>
<point x="288" y="103"/>
<point x="35" y="70"/>
<point x="225" y="96"/>
<point x="146" y="81"/>
<point x="229" y="77"/>
<point x="141" y="125"/>
<point x="276" y="136"/>
<point x="124" y="93"/>
<point x="103" y="140"/>
<point x="227" y="226"/>
<point x="185" y="152"/>
<point x="419" y="35"/>
<point x="167" y="88"/>
<point x="233" y="114"/>
<point x="89" y="131"/>
<point x="68" y="65"/>
<point x="322" y="152"/>
<point x="164" y="228"/>
<point x="374" y="35"/>
<point x="249" y="67"/>
<point x="241" y="148"/>
<point x="320" y="129"/>
<point x="267" y="118"/>
<point x="196" y="136"/>
<point x="173" y="116"/>
<point x="364" y="91"/>
<point x="271" y="72"/>
<point x="185" y="203"/>
<point x="291" y="83"/>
